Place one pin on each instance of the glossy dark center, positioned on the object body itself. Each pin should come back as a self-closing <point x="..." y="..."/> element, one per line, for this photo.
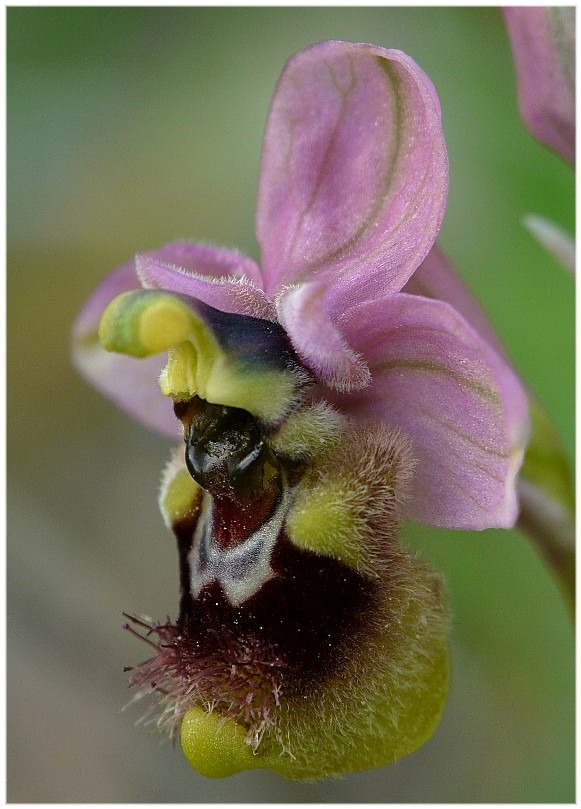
<point x="226" y="450"/>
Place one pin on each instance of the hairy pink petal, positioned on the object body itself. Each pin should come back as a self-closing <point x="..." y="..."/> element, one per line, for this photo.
<point x="463" y="407"/>
<point x="543" y="46"/>
<point x="354" y="172"/>
<point x="131" y="383"/>
<point x="302" y="313"/>
<point x="221" y="278"/>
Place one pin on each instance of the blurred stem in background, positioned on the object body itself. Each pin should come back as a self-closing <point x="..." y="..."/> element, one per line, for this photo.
<point x="547" y="502"/>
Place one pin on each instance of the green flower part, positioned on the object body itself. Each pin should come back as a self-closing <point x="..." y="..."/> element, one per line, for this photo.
<point x="231" y="359"/>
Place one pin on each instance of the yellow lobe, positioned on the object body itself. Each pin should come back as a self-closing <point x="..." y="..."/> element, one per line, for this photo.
<point x="309" y="432"/>
<point x="323" y="521"/>
<point x="215" y="746"/>
<point x="179" y="493"/>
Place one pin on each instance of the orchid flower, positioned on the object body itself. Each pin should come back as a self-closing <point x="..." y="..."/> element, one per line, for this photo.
<point x="322" y="399"/>
<point x="543" y="45"/>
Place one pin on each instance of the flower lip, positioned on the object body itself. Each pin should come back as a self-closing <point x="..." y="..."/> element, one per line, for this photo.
<point x="274" y="622"/>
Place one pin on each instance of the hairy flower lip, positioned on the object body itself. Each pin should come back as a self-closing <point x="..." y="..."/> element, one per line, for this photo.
<point x="256" y="681"/>
<point x="298" y="625"/>
<point x="227" y="669"/>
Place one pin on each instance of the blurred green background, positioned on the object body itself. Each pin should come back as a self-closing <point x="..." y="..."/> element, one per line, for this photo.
<point x="132" y="127"/>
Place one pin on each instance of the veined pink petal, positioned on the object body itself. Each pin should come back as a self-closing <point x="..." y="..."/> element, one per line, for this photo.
<point x="436" y="278"/>
<point x="131" y="383"/>
<point x="221" y="278"/>
<point x="543" y="46"/>
<point x="463" y="407"/>
<point x="303" y="314"/>
<point x="354" y="172"/>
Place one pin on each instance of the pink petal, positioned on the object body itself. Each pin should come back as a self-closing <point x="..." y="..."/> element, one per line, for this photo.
<point x="436" y="278"/>
<point x="302" y="313"/>
<point x="543" y="46"/>
<point x="221" y="278"/>
<point x="354" y="172"/>
<point x="465" y="410"/>
<point x="131" y="383"/>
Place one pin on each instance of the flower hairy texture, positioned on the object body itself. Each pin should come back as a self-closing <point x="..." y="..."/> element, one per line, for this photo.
<point x="309" y="641"/>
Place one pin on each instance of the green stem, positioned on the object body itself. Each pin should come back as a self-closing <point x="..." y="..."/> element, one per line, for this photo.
<point x="551" y="527"/>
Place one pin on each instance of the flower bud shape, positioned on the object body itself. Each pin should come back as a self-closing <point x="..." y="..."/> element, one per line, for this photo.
<point x="543" y="47"/>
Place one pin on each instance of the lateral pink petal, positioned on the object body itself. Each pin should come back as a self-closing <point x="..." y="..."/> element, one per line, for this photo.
<point x="435" y="378"/>
<point x="436" y="278"/>
<point x="354" y="172"/>
<point x="543" y="47"/>
<point x="131" y="383"/>
<point x="221" y="278"/>
<point x="303" y="313"/>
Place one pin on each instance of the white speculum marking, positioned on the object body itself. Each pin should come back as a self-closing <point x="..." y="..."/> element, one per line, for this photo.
<point x="241" y="570"/>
